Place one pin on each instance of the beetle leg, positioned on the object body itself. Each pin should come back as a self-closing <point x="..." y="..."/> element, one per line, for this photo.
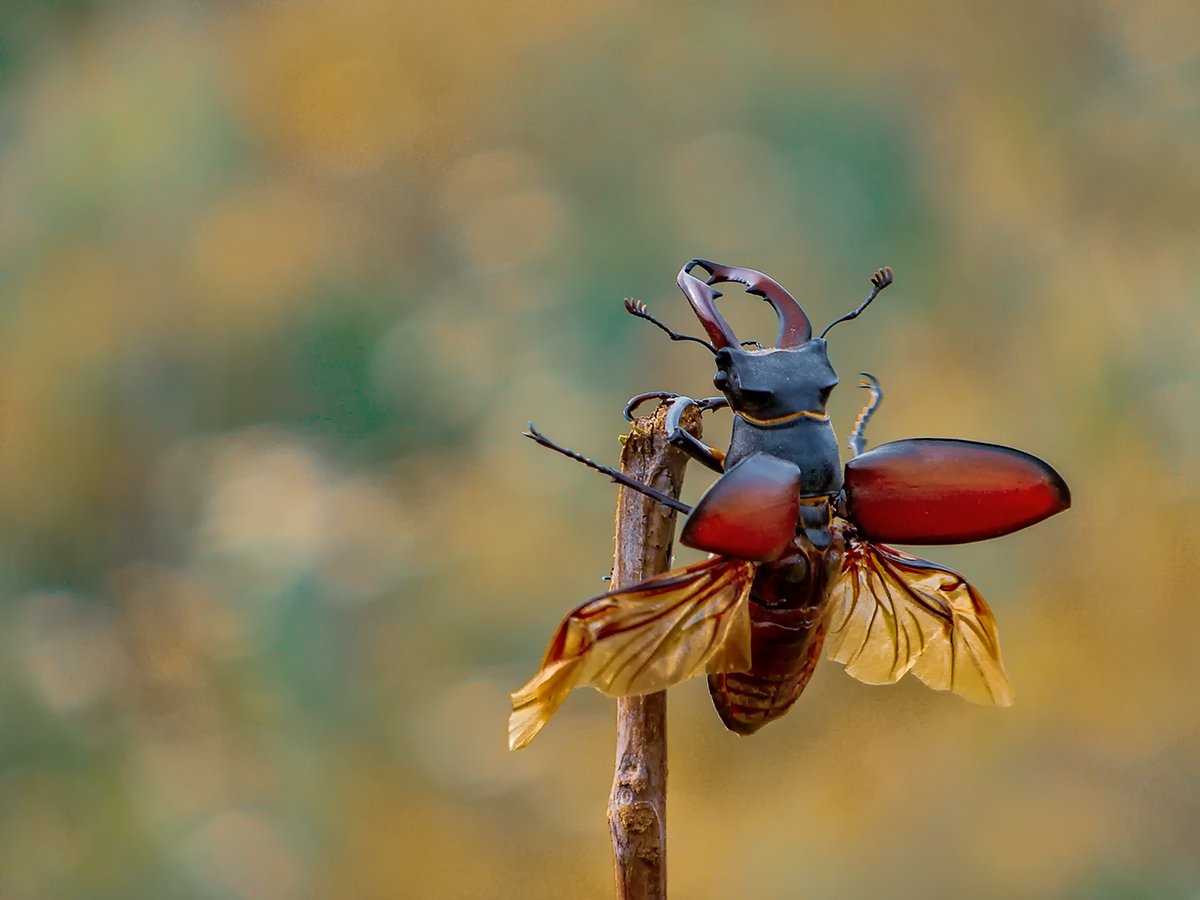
<point x="711" y="403"/>
<point x="858" y="437"/>
<point x="696" y="449"/>
<point x="619" y="477"/>
<point x="636" y="401"/>
<point x="638" y="308"/>
<point x="676" y="436"/>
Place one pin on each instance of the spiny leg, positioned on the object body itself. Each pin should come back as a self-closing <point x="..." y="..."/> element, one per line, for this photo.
<point x="858" y="437"/>
<point x="616" y="476"/>
<point x="638" y="399"/>
<point x="676" y="436"/>
<point x="638" y="308"/>
<point x="696" y="449"/>
<point x="708" y="403"/>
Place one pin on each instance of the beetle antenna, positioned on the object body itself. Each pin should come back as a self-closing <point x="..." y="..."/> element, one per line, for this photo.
<point x="858" y="437"/>
<point x="881" y="279"/>
<point x="638" y="308"/>
<point x="619" y="477"/>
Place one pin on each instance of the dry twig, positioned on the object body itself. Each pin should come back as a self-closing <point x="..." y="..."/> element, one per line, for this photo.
<point x="637" y="807"/>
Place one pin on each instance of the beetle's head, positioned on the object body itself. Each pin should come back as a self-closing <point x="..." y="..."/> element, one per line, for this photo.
<point x="794" y="375"/>
<point x="769" y="384"/>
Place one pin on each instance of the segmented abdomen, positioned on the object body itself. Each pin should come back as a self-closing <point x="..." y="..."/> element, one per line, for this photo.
<point x="784" y="655"/>
<point x="787" y="619"/>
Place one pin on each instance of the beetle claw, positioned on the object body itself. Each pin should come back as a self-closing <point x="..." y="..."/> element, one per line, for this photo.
<point x="638" y="400"/>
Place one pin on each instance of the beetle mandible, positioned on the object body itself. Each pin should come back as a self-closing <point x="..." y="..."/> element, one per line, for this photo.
<point x="799" y="544"/>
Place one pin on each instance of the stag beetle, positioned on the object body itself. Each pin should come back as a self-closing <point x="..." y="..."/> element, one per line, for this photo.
<point x="799" y="544"/>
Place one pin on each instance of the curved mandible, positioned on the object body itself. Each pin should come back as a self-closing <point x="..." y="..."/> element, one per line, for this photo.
<point x="703" y="303"/>
<point x="703" y="300"/>
<point x="794" y="326"/>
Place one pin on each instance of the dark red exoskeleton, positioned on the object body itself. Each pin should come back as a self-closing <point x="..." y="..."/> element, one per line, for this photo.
<point x="800" y="558"/>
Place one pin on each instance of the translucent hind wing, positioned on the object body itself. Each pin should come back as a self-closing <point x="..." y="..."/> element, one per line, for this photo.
<point x="892" y="613"/>
<point x="643" y="639"/>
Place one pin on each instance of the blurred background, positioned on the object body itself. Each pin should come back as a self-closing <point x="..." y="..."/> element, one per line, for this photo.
<point x="283" y="283"/>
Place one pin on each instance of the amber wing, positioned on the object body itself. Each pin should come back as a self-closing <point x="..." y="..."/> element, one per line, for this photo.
<point x="643" y="639"/>
<point x="892" y="613"/>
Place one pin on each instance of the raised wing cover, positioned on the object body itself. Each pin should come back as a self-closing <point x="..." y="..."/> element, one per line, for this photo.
<point x="750" y="512"/>
<point x="943" y="491"/>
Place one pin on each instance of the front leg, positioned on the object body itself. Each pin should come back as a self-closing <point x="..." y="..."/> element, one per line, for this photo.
<point x="858" y="438"/>
<point x="697" y="450"/>
<point x="676" y="436"/>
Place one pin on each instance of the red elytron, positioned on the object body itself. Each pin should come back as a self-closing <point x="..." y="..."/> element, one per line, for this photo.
<point x="936" y="491"/>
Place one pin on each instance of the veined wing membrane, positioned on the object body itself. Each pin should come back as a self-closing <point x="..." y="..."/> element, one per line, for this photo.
<point x="892" y="613"/>
<point x="643" y="639"/>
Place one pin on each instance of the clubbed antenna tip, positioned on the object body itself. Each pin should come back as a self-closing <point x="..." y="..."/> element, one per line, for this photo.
<point x="881" y="279"/>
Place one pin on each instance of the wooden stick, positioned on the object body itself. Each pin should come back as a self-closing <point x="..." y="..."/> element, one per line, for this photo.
<point x="645" y="530"/>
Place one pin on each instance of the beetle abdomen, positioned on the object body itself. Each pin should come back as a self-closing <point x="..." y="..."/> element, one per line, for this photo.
<point x="746" y="701"/>
<point x="787" y="629"/>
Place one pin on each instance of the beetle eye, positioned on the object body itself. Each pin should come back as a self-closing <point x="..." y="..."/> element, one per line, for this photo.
<point x="721" y="381"/>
